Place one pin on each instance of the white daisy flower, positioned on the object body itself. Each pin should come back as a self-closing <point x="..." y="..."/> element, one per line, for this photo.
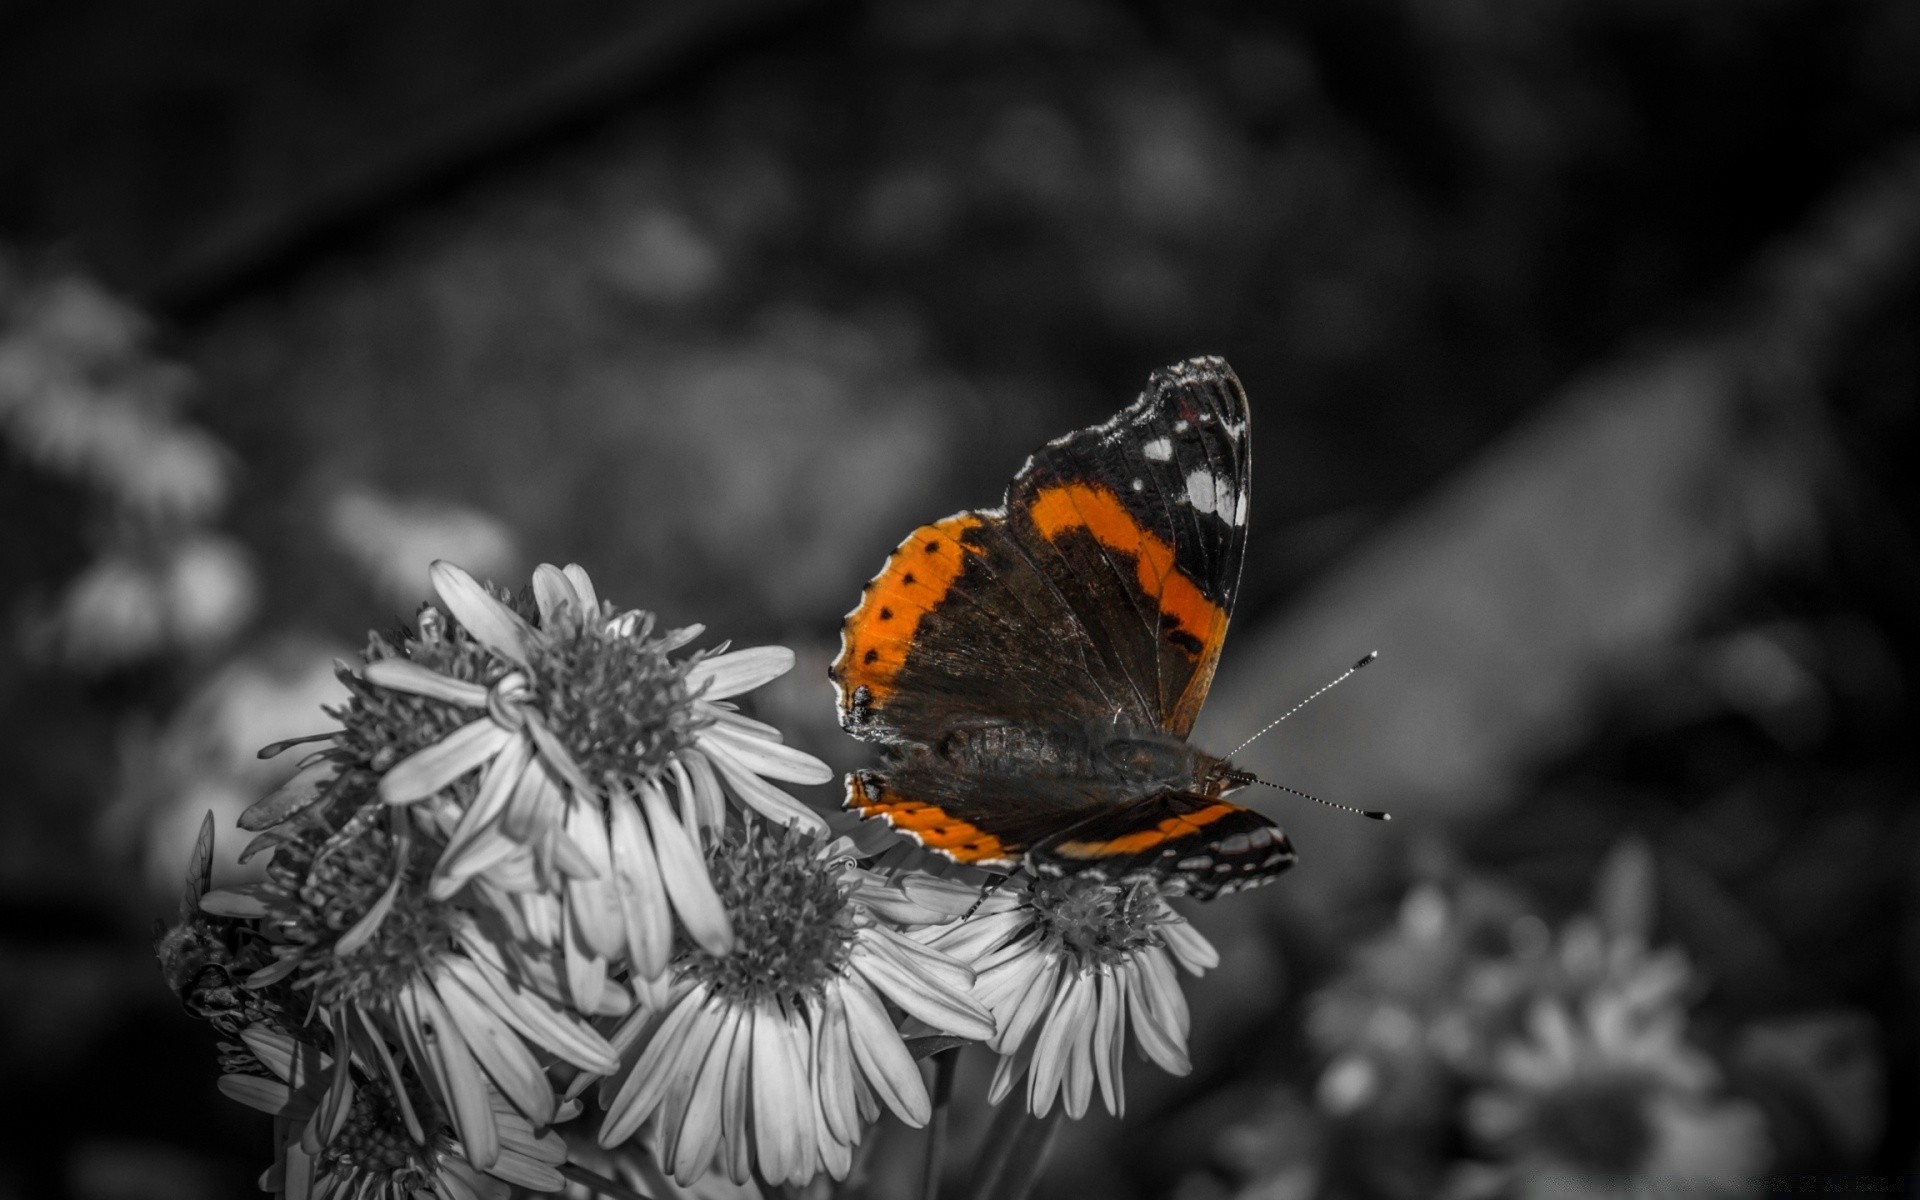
<point x="1063" y="964"/>
<point x="371" y="1145"/>
<point x="589" y="755"/>
<point x="774" y="1058"/>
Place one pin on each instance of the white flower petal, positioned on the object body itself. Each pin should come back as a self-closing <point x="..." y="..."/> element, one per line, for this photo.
<point x="441" y="1055"/>
<point x="405" y="675"/>
<point x="706" y="1033"/>
<point x="935" y="963"/>
<point x="699" y="1131"/>
<point x="766" y="758"/>
<point x="431" y="768"/>
<point x="833" y="1066"/>
<point x="665" y="1056"/>
<point x="1159" y="1040"/>
<point x="537" y="804"/>
<point x="921" y="996"/>
<point x="1076" y="1085"/>
<point x="736" y="1104"/>
<point x="731" y="674"/>
<point x="1033" y="1004"/>
<point x="553" y="593"/>
<point x="756" y="793"/>
<point x="1189" y="945"/>
<point x="535" y="1018"/>
<point x="782" y="1112"/>
<point x="298" y="1064"/>
<point x="709" y="802"/>
<point x="457" y="862"/>
<point x="1163" y="987"/>
<point x="582" y="586"/>
<point x="882" y="1056"/>
<point x="971" y="940"/>
<point x="1109" y="1040"/>
<point x="684" y="870"/>
<point x="595" y="902"/>
<point x="586" y="970"/>
<point x="643" y="896"/>
<point x="1053" y="1044"/>
<point x="232" y="902"/>
<point x="266" y="1095"/>
<point x="500" y="1052"/>
<point x="492" y="623"/>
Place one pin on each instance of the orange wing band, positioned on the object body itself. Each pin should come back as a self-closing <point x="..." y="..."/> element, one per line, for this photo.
<point x="1070" y="506"/>
<point x="879" y="633"/>
<point x="928" y="824"/>
<point x="1169" y="829"/>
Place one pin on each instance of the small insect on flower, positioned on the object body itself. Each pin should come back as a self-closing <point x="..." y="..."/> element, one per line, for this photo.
<point x="775" y="1057"/>
<point x="581" y="758"/>
<point x="1062" y="963"/>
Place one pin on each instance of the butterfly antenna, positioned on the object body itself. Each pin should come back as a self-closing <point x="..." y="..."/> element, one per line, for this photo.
<point x="1324" y="688"/>
<point x="1374" y="813"/>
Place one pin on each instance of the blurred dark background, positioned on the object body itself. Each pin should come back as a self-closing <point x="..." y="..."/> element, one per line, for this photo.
<point x="1581" y="338"/>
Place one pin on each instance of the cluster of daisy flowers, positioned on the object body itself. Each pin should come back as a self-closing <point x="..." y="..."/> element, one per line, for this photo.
<point x="540" y="911"/>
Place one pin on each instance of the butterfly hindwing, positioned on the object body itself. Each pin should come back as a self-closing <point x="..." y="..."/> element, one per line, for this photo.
<point x="1212" y="845"/>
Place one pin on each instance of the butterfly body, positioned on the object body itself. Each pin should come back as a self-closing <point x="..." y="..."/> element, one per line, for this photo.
<point x="1031" y="672"/>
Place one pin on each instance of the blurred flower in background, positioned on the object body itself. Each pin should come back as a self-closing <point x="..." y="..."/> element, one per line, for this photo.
<point x="84" y="397"/>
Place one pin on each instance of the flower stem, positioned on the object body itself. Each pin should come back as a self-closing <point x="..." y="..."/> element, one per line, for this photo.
<point x="943" y="1069"/>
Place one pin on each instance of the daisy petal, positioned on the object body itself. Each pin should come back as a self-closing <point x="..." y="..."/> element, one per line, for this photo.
<point x="458" y="861"/>
<point x="725" y="675"/>
<point x="431" y="768"/>
<point x="534" y="1018"/>
<point x="266" y="1095"/>
<point x="1109" y="1039"/>
<point x="582" y="587"/>
<point x="441" y="1055"/>
<point x="552" y="594"/>
<point x="883" y="1058"/>
<point x="1159" y="1041"/>
<point x="699" y="1134"/>
<point x="779" y="1100"/>
<point x="595" y="902"/>
<point x="1188" y="945"/>
<point x="642" y="894"/>
<point x="492" y="623"/>
<point x="684" y="870"/>
<point x="1054" y="1043"/>
<point x="502" y="1054"/>
<point x="645" y="1086"/>
<point x="756" y="793"/>
<point x="768" y="759"/>
<point x="405" y="675"/>
<point x="833" y="1066"/>
<point x="940" y="1007"/>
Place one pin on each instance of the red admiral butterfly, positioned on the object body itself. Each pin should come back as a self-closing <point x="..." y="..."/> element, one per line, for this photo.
<point x="1031" y="672"/>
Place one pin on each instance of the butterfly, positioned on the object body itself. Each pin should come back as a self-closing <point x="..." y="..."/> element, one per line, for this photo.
<point x="1031" y="673"/>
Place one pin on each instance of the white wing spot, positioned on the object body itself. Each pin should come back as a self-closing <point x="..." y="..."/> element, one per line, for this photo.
<point x="1180" y="426"/>
<point x="1233" y="429"/>
<point x="1212" y="495"/>
<point x="1139" y="485"/>
<point x="1159" y="449"/>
